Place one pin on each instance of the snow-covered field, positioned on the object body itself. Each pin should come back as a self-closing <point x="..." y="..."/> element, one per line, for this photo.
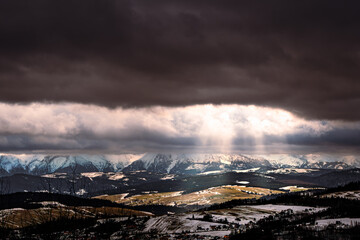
<point x="292" y="170"/>
<point x="211" y="172"/>
<point x="177" y="224"/>
<point x="354" y="195"/>
<point x="111" y="175"/>
<point x="345" y="221"/>
<point x="294" y="188"/>
<point x="245" y="214"/>
<point x="279" y="208"/>
<point x="195" y="222"/>
<point x="247" y="170"/>
<point x="214" y="233"/>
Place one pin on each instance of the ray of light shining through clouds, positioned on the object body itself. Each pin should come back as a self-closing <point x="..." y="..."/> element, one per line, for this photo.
<point x="221" y="128"/>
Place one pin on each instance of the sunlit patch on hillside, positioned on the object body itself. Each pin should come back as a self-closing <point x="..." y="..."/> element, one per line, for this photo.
<point x="205" y="197"/>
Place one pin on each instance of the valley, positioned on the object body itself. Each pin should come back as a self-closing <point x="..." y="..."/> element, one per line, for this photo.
<point x="44" y="215"/>
<point x="153" y="196"/>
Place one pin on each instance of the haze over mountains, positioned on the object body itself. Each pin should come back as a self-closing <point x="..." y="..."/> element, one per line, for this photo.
<point x="167" y="163"/>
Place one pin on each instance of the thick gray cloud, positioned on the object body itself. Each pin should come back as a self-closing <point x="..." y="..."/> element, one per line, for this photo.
<point x="200" y="128"/>
<point x="302" y="56"/>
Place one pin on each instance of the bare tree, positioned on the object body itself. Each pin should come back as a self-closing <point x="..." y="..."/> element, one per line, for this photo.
<point x="46" y="183"/>
<point x="72" y="180"/>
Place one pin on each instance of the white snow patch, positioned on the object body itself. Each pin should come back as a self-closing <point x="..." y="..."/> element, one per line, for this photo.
<point x="293" y="188"/>
<point x="292" y="170"/>
<point x="116" y="176"/>
<point x="50" y="204"/>
<point x="247" y="170"/>
<point x="81" y="192"/>
<point x="167" y="177"/>
<point x="211" y="172"/>
<point x="123" y="195"/>
<point x="55" y="175"/>
<point x="242" y="182"/>
<point x="92" y="174"/>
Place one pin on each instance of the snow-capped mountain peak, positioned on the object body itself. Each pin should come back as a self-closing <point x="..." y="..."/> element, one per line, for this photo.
<point x="167" y="162"/>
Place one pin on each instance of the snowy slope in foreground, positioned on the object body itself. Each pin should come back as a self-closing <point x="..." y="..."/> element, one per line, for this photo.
<point x="194" y="222"/>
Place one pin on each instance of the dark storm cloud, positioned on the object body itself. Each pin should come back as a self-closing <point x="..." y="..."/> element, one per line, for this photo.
<point x="335" y="137"/>
<point x="83" y="143"/>
<point x="302" y="56"/>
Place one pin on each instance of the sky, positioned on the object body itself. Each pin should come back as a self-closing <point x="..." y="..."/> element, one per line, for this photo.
<point x="176" y="75"/>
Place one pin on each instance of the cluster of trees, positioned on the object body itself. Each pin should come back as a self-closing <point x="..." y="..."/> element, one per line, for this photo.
<point x="28" y="200"/>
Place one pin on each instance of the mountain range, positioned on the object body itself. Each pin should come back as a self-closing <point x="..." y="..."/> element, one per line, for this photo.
<point x="167" y="163"/>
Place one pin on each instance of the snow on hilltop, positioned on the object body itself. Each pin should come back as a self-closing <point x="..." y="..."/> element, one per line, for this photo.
<point x="168" y="163"/>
